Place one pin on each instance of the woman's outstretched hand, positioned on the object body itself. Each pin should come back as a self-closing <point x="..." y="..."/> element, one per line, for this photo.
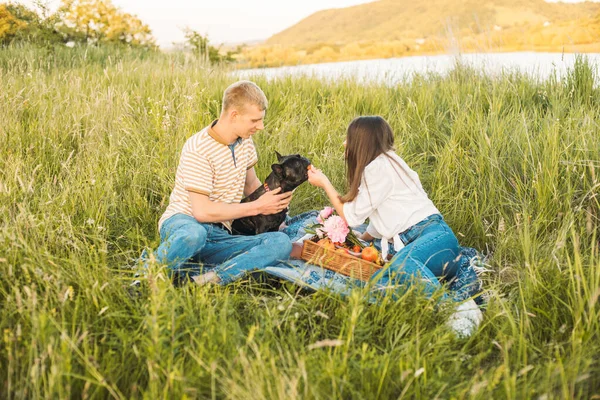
<point x="317" y="178"/>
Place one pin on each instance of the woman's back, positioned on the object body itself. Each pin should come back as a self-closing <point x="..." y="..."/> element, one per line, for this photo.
<point x="391" y="196"/>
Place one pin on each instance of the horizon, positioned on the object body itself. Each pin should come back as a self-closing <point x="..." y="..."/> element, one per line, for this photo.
<point x="237" y="23"/>
<point x="253" y="22"/>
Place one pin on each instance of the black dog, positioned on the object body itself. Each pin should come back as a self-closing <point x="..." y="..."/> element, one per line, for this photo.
<point x="290" y="172"/>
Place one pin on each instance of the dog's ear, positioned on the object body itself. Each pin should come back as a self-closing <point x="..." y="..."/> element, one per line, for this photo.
<point x="277" y="170"/>
<point x="279" y="156"/>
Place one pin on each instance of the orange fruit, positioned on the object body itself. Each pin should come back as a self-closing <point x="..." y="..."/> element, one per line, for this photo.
<point x="327" y="243"/>
<point x="370" y="254"/>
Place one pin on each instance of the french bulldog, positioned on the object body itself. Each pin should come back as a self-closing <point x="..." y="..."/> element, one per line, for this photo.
<point x="289" y="173"/>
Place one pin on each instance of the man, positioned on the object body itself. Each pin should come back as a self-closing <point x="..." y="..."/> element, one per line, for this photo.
<point x="216" y="170"/>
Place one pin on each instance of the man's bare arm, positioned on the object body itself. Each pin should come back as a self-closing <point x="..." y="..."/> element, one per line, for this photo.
<point x="205" y="210"/>
<point x="252" y="182"/>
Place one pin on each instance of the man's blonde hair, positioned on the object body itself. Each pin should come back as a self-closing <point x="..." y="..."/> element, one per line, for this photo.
<point x="242" y="93"/>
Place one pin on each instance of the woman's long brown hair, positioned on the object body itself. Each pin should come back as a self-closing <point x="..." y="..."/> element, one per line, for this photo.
<point x="367" y="137"/>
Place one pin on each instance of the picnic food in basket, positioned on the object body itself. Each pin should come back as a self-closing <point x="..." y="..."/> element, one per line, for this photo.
<point x="342" y="260"/>
<point x="370" y="254"/>
<point x="335" y="246"/>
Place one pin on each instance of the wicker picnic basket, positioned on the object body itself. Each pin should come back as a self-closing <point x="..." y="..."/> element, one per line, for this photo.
<point x="342" y="263"/>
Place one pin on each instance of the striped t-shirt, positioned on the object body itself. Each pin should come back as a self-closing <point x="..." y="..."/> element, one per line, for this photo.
<point x="210" y="166"/>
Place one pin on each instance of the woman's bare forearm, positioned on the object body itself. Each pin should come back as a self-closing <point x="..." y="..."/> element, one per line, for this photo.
<point x="335" y="200"/>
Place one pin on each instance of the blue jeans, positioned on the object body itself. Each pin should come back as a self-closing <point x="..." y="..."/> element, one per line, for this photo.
<point x="431" y="251"/>
<point x="459" y="273"/>
<point x="295" y="225"/>
<point x="184" y="239"/>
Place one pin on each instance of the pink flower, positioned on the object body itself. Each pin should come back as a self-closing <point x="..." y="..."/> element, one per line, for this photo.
<point x="336" y="229"/>
<point x="324" y="214"/>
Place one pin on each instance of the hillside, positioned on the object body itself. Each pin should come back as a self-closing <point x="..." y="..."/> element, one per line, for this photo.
<point x="386" y="20"/>
<point x="400" y="28"/>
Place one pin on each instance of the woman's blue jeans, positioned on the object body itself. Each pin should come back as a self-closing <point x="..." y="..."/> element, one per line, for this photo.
<point x="184" y="239"/>
<point x="431" y="251"/>
<point x="429" y="255"/>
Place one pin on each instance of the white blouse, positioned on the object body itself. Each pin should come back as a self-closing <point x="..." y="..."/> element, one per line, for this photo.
<point x="392" y="197"/>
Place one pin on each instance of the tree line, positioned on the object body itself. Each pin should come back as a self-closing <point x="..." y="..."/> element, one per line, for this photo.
<point x="90" y="22"/>
<point x="75" y="21"/>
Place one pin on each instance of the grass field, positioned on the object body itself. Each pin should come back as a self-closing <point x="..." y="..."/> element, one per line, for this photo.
<point x="89" y="143"/>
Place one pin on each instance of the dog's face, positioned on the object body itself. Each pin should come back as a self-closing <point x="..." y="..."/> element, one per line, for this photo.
<point x="291" y="171"/>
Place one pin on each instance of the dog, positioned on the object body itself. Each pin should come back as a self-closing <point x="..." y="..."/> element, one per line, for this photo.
<point x="289" y="173"/>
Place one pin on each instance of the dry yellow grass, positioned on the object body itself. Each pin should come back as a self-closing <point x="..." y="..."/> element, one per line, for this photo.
<point x="393" y="28"/>
<point x="398" y="19"/>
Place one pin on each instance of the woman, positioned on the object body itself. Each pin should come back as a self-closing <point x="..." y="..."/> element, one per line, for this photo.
<point x="382" y="188"/>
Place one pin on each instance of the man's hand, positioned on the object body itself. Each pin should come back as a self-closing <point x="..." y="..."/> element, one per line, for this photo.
<point x="273" y="202"/>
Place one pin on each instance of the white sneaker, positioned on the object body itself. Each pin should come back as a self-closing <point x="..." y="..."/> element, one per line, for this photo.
<point x="465" y="320"/>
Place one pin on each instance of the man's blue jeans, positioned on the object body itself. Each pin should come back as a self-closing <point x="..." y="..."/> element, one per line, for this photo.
<point x="431" y="251"/>
<point x="184" y="239"/>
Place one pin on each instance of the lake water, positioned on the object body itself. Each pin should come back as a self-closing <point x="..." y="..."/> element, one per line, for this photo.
<point x="396" y="70"/>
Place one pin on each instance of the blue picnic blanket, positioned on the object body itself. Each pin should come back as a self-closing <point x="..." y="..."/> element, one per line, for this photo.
<point x="466" y="284"/>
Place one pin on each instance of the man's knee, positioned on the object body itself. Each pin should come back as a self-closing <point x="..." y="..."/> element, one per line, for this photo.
<point x="197" y="236"/>
<point x="192" y="237"/>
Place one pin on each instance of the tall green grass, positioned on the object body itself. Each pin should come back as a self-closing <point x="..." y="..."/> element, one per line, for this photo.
<point x="89" y="144"/>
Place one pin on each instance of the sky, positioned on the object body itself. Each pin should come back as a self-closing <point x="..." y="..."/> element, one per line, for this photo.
<point x="225" y="21"/>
